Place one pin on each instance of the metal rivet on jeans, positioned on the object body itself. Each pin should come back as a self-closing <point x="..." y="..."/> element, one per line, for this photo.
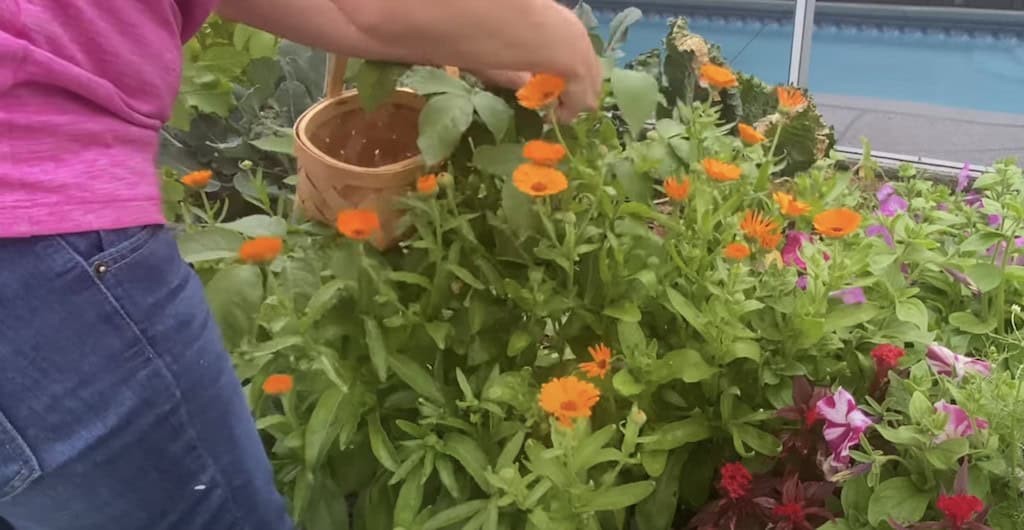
<point x="100" y="268"/>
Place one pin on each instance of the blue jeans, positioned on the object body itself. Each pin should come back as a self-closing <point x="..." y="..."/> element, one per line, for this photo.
<point x="119" y="407"/>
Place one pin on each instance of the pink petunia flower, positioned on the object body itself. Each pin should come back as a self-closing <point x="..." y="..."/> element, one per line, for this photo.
<point x="880" y="230"/>
<point x="795" y="240"/>
<point x="850" y="295"/>
<point x="890" y="203"/>
<point x="801" y="282"/>
<point x="945" y="362"/>
<point x="958" y="424"/>
<point x="964" y="178"/>
<point x="844" y="423"/>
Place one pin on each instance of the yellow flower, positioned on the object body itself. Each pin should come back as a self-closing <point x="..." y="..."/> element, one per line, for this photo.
<point x="736" y="251"/>
<point x="749" y="135"/>
<point x="721" y="171"/>
<point x="789" y="205"/>
<point x="358" y="224"/>
<point x="540" y="91"/>
<point x="539" y="181"/>
<point x="427" y="184"/>
<point x="676" y="190"/>
<point x="755" y="225"/>
<point x="567" y="398"/>
<point x="278" y="384"/>
<point x="543" y="153"/>
<point x="602" y="356"/>
<point x="839" y="222"/>
<point x="718" y="77"/>
<point x="791" y="99"/>
<point x="261" y="249"/>
<point x="197" y="179"/>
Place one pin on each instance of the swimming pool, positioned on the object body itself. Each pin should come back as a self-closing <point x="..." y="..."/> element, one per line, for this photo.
<point x="953" y="68"/>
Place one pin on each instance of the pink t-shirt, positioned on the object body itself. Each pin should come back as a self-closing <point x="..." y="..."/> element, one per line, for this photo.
<point x="85" y="86"/>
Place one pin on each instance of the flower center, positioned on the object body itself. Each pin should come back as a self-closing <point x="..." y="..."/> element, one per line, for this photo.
<point x="602" y="364"/>
<point x="358" y="232"/>
<point x="569" y="406"/>
<point x="539" y="187"/>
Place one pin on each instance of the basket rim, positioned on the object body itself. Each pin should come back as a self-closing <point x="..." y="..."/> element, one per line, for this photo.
<point x="301" y="139"/>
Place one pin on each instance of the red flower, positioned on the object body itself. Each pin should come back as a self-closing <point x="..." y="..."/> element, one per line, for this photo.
<point x="802" y="506"/>
<point x="887" y="357"/>
<point x="794" y="512"/>
<point x="959" y="509"/>
<point x="735" y="481"/>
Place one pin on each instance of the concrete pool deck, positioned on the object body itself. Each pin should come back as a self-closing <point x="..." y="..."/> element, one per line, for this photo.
<point x="929" y="131"/>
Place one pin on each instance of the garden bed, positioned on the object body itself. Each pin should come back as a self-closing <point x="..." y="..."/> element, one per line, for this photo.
<point x="779" y="343"/>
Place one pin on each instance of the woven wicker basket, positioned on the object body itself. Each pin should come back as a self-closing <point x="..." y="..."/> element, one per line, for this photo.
<point x="327" y="185"/>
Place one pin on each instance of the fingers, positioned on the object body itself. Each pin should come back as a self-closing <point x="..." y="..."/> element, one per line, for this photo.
<point x="582" y="93"/>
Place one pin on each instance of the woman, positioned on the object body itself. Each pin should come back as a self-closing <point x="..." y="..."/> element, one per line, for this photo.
<point x="118" y="405"/>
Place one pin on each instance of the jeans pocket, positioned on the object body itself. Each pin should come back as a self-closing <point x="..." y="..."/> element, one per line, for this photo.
<point x="18" y="466"/>
<point x="106" y="249"/>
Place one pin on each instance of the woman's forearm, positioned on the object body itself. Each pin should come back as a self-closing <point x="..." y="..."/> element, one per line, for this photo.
<point x="535" y="35"/>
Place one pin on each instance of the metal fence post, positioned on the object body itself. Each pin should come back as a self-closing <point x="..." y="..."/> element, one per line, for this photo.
<point x="803" y="29"/>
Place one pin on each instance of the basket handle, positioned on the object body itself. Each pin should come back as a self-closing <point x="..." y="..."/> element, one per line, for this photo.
<point x="334" y="81"/>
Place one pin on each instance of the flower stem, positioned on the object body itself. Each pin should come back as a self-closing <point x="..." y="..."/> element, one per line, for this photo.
<point x="766" y="169"/>
<point x="558" y="134"/>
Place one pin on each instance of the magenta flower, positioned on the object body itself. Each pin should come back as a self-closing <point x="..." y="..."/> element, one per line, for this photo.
<point x="942" y="207"/>
<point x="958" y="424"/>
<point x="801" y="282"/>
<point x="850" y="295"/>
<point x="999" y="249"/>
<point x="974" y="200"/>
<point x="880" y="230"/>
<point x="890" y="202"/>
<point x="844" y="423"/>
<point x="964" y="178"/>
<point x="945" y="362"/>
<point x="994" y="220"/>
<point x="795" y="240"/>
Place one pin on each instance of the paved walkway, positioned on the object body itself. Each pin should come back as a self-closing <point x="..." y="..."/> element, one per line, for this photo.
<point x="943" y="133"/>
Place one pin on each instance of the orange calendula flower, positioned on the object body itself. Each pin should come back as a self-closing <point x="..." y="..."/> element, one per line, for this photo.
<point x="539" y="181"/>
<point x="791" y="99"/>
<point x="602" y="356"/>
<point x="567" y="398"/>
<point x="770" y="240"/>
<point x="427" y="184"/>
<point x="749" y="135"/>
<point x="755" y="225"/>
<point x="839" y="222"/>
<point x="543" y="153"/>
<point x="197" y="179"/>
<point x="789" y="205"/>
<point x="721" y="171"/>
<point x="677" y="190"/>
<point x="737" y="251"/>
<point x="540" y="91"/>
<point x="358" y="224"/>
<point x="261" y="249"/>
<point x="718" y="77"/>
<point x="278" y="384"/>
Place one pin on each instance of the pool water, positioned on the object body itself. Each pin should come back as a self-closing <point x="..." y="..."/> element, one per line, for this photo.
<point x="941" y="67"/>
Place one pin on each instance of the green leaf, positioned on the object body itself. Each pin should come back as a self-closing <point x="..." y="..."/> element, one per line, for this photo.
<point x="455" y="514"/>
<point x="323" y="426"/>
<point x="898" y="498"/>
<point x="913" y="311"/>
<point x="742" y="349"/>
<point x="417" y="377"/>
<point x="588" y="449"/>
<point x="981" y="241"/>
<point x="442" y="123"/>
<point x="427" y="80"/>
<point x="378" y="350"/>
<point x="376" y="82"/>
<point x="380" y="444"/>
<point x="324" y="299"/>
<point x="637" y="96"/>
<point x="275" y="345"/>
<point x="466" y="276"/>
<point x="258" y="226"/>
<point x="985" y="275"/>
<point x="276" y="143"/>
<point x="409" y="501"/>
<point x="758" y="440"/>
<point x="856" y="495"/>
<point x="518" y="341"/>
<point x="468" y="453"/>
<point x="500" y="160"/>
<point x="235" y="294"/>
<point x="511" y="450"/>
<point x="654" y="462"/>
<point x="903" y="435"/>
<point x="921" y="409"/>
<point x="848" y="316"/>
<point x="446" y="472"/>
<point x="626" y="384"/>
<point x="410" y="278"/>
<point x="679" y="433"/>
<point x="685" y="308"/>
<point x="614" y="498"/>
<point x="624" y="310"/>
<point x="495" y="113"/>
<point x="209" y="244"/>
<point x="971" y="324"/>
<point x="947" y="454"/>
<point x="440" y="331"/>
<point x="618" y="29"/>
<point x="836" y="524"/>
<point x="687" y="365"/>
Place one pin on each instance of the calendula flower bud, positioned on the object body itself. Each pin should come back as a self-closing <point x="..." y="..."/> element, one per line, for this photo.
<point x="445" y="180"/>
<point x="1015" y="308"/>
<point x="246" y="164"/>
